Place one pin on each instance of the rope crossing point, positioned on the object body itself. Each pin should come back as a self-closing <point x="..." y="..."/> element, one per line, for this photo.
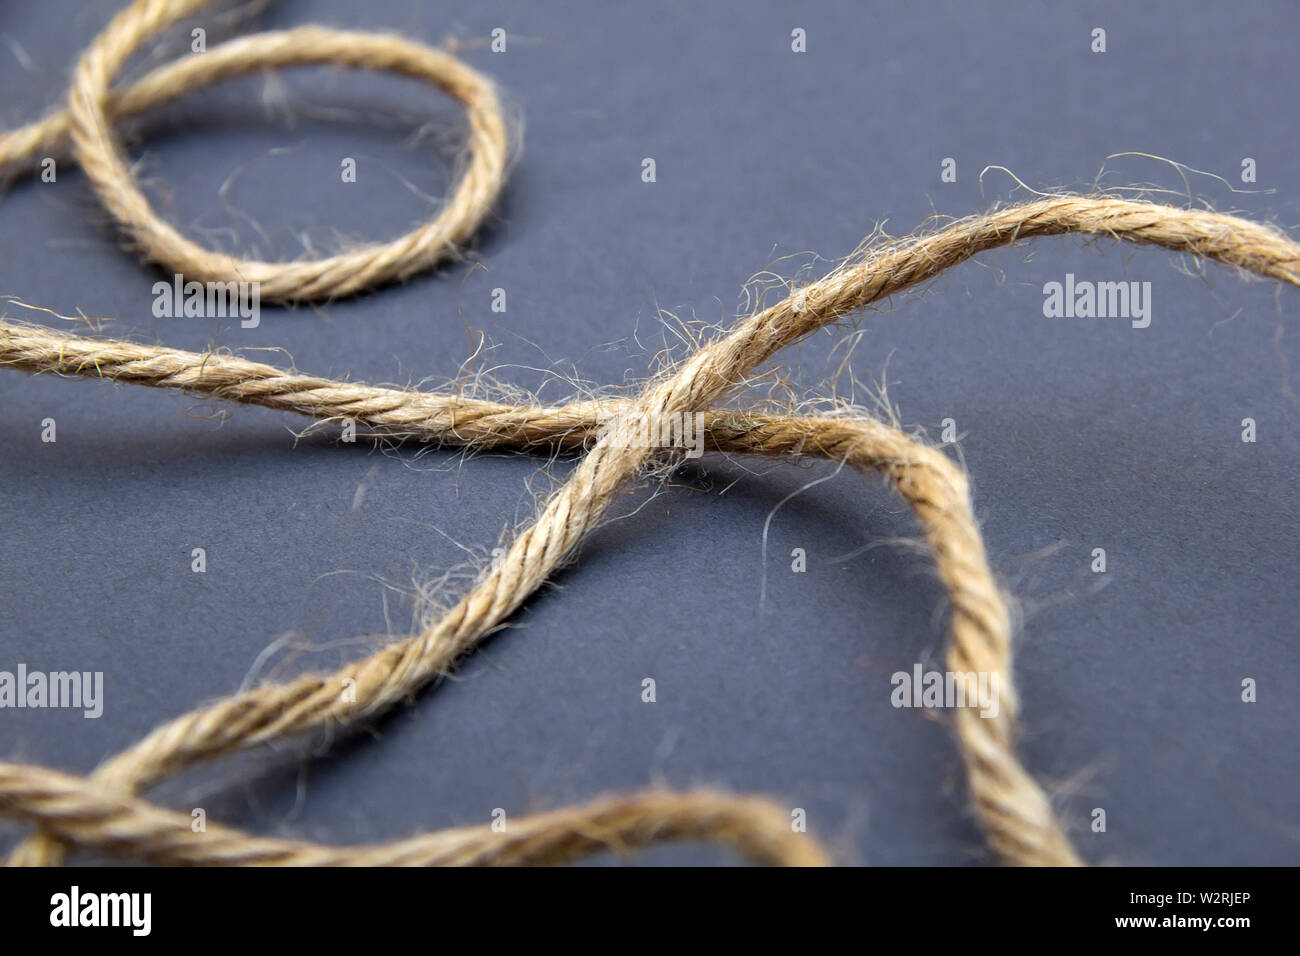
<point x="106" y="810"/>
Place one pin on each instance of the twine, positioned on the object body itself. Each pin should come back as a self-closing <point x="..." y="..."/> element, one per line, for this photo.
<point x="105" y="810"/>
<point x="86" y="124"/>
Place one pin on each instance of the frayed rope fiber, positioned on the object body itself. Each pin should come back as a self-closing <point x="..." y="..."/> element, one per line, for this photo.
<point x="106" y="811"/>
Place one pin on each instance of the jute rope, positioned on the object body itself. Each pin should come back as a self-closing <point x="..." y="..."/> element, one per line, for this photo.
<point x="63" y="804"/>
<point x="104" y="810"/>
<point x="92" y="105"/>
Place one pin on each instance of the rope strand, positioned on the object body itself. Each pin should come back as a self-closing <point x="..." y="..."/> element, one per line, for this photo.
<point x="86" y="125"/>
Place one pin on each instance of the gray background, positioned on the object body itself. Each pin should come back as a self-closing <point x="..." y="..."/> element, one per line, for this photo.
<point x="1077" y="434"/>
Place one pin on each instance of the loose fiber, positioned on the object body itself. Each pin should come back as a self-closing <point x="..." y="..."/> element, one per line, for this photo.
<point x="105" y="810"/>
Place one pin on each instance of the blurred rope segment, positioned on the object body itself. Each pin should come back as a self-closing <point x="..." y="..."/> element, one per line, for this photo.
<point x="81" y="812"/>
<point x="86" y="124"/>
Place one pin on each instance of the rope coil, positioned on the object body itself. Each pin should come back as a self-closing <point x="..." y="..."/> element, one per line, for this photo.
<point x="86" y="124"/>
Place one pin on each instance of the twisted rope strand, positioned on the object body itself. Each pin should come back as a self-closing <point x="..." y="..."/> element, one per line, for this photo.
<point x="85" y="124"/>
<point x="83" y="813"/>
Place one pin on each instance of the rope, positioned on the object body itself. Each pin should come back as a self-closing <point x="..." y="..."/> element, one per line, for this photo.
<point x="105" y="809"/>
